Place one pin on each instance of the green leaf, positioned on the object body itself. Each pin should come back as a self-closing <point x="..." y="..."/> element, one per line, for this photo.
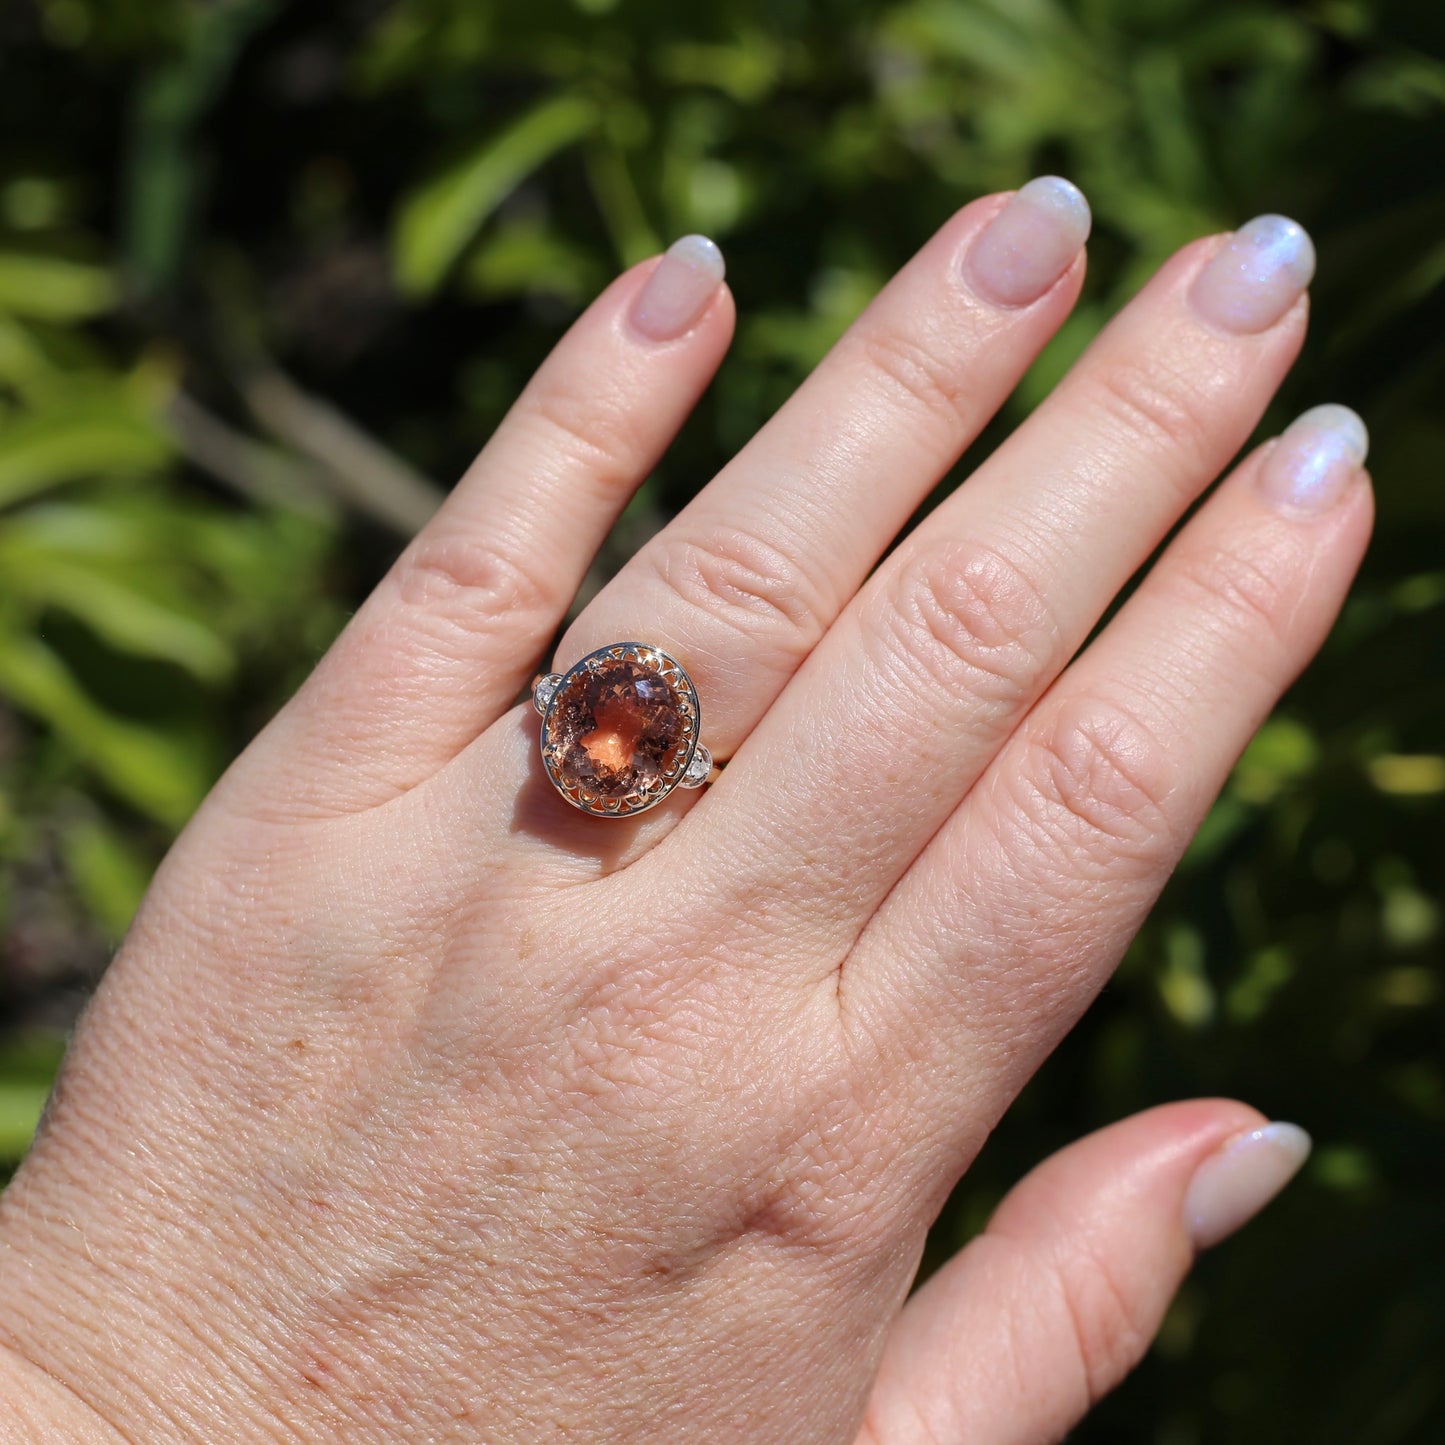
<point x="107" y="871"/>
<point x="21" y="1103"/>
<point x="525" y="257"/>
<point x="22" y="361"/>
<point x="53" y="288"/>
<point x="747" y="69"/>
<point x="438" y="221"/>
<point x="117" y="610"/>
<point x="621" y="207"/>
<point x="120" y="579"/>
<point x="86" y="436"/>
<point x="27" y="1069"/>
<point x="149" y="768"/>
<point x="164" y="161"/>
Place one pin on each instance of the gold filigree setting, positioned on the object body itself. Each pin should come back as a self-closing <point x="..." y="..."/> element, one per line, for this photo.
<point x="682" y="762"/>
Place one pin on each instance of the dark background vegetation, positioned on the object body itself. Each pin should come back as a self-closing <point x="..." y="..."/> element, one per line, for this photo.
<point x="269" y="275"/>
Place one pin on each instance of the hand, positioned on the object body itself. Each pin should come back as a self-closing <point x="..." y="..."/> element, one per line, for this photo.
<point x="421" y="1106"/>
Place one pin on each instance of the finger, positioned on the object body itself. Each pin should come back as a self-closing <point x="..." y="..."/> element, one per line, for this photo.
<point x="741" y="585"/>
<point x="1013" y="1340"/>
<point x="965" y="625"/>
<point x="457" y="626"/>
<point x="1025" y="900"/>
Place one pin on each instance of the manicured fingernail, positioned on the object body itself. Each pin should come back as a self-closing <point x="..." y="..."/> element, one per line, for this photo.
<point x="1235" y="1182"/>
<point x="1030" y="243"/>
<point x="1256" y="276"/>
<point x="1312" y="463"/>
<point x="679" y="290"/>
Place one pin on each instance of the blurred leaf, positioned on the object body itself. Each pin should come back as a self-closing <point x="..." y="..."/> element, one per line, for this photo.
<point x="28" y="1066"/>
<point x="1163" y="99"/>
<point x="116" y="608"/>
<point x="523" y="257"/>
<point x="1229" y="816"/>
<point x="154" y="772"/>
<point x="1184" y="985"/>
<point x="1343" y="1166"/>
<point x="1268" y="971"/>
<point x="118" y="577"/>
<point x="108" y="872"/>
<point x="54" y="288"/>
<point x="35" y="203"/>
<point x="621" y="206"/>
<point x="21" y="1104"/>
<point x="1409" y="918"/>
<point x="1409" y="987"/>
<point x="412" y="37"/>
<point x="747" y="69"/>
<point x="1418" y="776"/>
<point x="22" y="359"/>
<point x="1411" y="83"/>
<point x="109" y="26"/>
<point x="438" y="220"/>
<point x="170" y="101"/>
<point x="96" y="435"/>
<point x="1281" y="752"/>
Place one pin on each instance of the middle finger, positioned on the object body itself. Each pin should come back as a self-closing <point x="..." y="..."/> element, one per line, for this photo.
<point x="744" y="581"/>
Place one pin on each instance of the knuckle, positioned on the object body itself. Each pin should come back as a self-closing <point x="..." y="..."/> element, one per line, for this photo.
<point x="472" y="586"/>
<point x="1246" y="598"/>
<point x="593" y="433"/>
<point x="974" y="620"/>
<point x="1159" y="408"/>
<point x="742" y="580"/>
<point x="921" y="373"/>
<point x="1098" y="785"/>
<point x="1102" y="1319"/>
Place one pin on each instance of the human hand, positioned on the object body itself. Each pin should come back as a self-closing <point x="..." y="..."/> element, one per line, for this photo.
<point x="418" y="1105"/>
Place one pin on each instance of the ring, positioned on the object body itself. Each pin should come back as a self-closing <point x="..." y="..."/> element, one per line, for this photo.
<point x="620" y="730"/>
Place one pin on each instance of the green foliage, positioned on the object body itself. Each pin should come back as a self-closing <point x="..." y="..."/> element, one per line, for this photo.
<point x="52" y="288"/>
<point x="26" y="1069"/>
<point x="402" y="205"/>
<point x="441" y="219"/>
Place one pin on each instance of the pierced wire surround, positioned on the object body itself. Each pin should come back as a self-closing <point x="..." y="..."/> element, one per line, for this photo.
<point x="689" y="765"/>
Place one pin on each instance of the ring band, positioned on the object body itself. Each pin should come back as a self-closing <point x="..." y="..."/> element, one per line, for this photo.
<point x="620" y="730"/>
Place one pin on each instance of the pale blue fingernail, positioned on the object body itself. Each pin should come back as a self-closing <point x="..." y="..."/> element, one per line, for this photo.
<point x="1313" y="462"/>
<point x="1234" y="1183"/>
<point x="1256" y="276"/>
<point x="1030" y="243"/>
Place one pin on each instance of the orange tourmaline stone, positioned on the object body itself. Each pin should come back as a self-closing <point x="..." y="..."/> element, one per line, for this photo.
<point x="616" y="727"/>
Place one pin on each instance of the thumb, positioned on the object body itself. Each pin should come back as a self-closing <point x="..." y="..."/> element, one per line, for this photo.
<point x="1057" y="1300"/>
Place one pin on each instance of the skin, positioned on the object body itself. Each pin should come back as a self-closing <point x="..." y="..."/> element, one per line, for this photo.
<point x="419" y="1106"/>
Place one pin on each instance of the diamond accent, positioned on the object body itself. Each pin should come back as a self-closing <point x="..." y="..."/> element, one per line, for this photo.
<point x="697" y="770"/>
<point x="544" y="690"/>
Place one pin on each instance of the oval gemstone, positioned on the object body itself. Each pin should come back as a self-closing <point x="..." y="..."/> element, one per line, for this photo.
<point x="614" y="727"/>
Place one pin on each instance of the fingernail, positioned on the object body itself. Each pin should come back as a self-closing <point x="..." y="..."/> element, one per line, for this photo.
<point x="1235" y="1182"/>
<point x="679" y="290"/>
<point x="1312" y="463"/>
<point x="1030" y="243"/>
<point x="1256" y="276"/>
